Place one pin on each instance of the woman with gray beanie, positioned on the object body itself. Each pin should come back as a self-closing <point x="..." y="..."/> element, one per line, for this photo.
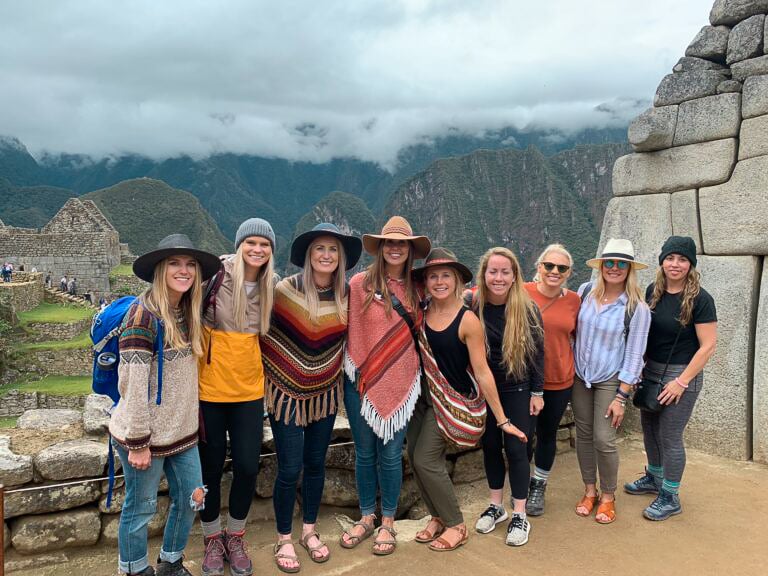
<point x="236" y="310"/>
<point x="681" y="340"/>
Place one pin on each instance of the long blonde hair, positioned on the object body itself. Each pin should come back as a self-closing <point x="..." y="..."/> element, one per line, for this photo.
<point x="521" y="322"/>
<point x="265" y="278"/>
<point x="691" y="290"/>
<point x="631" y="287"/>
<point x="156" y="300"/>
<point x="339" y="284"/>
<point x="557" y="248"/>
<point x="376" y="281"/>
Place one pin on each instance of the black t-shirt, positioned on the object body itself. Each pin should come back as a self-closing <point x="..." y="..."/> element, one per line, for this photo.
<point x="665" y="324"/>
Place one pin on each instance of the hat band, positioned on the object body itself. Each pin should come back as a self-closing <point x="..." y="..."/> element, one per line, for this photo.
<point x="397" y="230"/>
<point x="438" y="261"/>
<point x="617" y="255"/>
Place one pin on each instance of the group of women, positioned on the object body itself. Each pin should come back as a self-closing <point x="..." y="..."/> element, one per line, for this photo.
<point x="415" y="358"/>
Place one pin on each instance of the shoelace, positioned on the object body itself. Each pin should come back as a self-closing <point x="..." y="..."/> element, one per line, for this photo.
<point x="492" y="511"/>
<point x="517" y="522"/>
<point x="215" y="547"/>
<point x="661" y="501"/>
<point x="236" y="544"/>
<point x="537" y="494"/>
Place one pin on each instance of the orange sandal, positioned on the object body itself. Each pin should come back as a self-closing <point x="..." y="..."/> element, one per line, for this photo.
<point x="442" y="545"/>
<point x="588" y="502"/>
<point x="428" y="535"/>
<point x="607" y="509"/>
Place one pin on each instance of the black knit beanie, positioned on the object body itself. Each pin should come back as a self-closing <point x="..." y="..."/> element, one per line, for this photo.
<point x="683" y="245"/>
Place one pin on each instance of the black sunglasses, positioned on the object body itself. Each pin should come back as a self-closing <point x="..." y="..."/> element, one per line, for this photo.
<point x="549" y="266"/>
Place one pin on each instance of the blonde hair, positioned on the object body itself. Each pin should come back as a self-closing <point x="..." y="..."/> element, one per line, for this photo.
<point x="339" y="284"/>
<point x="691" y="290"/>
<point x="265" y="278"/>
<point x="376" y="281"/>
<point x="521" y="321"/>
<point x="559" y="249"/>
<point x="157" y="300"/>
<point x="631" y="288"/>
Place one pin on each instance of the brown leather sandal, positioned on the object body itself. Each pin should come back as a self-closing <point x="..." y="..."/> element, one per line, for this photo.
<point x="608" y="509"/>
<point x="282" y="556"/>
<point x="442" y="545"/>
<point x="588" y="502"/>
<point x="391" y="541"/>
<point x="314" y="551"/>
<point x="426" y="535"/>
<point x="368" y="529"/>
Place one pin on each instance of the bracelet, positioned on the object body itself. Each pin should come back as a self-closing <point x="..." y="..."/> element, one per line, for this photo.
<point x="537" y="393"/>
<point x="621" y="401"/>
<point x="621" y="393"/>
<point x="680" y="383"/>
<point x="502" y="424"/>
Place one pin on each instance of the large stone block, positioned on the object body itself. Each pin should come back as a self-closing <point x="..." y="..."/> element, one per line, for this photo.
<point x="752" y="67"/>
<point x="50" y="499"/>
<point x="711" y="43"/>
<point x="692" y="63"/>
<point x="96" y="414"/>
<point x="72" y="459"/>
<point x="760" y="386"/>
<point x="754" y="137"/>
<point x="685" y="216"/>
<point x="720" y="421"/>
<point x="48" y="532"/>
<point x="44" y="419"/>
<point x="710" y="118"/>
<point x="730" y="12"/>
<point x="679" y="168"/>
<point x="15" y="469"/>
<point x="645" y="220"/>
<point x="754" y="98"/>
<point x="654" y="129"/>
<point x="746" y="39"/>
<point x="676" y="88"/>
<point x="732" y="214"/>
<point x="729" y="86"/>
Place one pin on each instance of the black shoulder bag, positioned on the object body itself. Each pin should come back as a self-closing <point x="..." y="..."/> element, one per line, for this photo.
<point x="647" y="394"/>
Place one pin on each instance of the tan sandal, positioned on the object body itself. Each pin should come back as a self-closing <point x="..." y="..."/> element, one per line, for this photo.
<point x="368" y="529"/>
<point x="282" y="556"/>
<point x="608" y="509"/>
<point x="391" y="541"/>
<point x="312" y="550"/>
<point x="426" y="535"/>
<point x="588" y="503"/>
<point x="444" y="545"/>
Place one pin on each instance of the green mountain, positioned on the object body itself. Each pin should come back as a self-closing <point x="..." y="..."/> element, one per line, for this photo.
<point x="30" y="206"/>
<point x="144" y="211"/>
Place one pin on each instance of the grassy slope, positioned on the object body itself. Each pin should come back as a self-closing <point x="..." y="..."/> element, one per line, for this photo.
<point x="55" y="385"/>
<point x="58" y="313"/>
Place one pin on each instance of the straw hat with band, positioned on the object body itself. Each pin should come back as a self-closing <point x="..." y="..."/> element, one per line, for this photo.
<point x="173" y="245"/>
<point x="351" y="244"/>
<point x="442" y="257"/>
<point x="397" y="228"/>
<point x="617" y="249"/>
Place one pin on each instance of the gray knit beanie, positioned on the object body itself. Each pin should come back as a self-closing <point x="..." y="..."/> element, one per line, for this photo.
<point x="255" y="227"/>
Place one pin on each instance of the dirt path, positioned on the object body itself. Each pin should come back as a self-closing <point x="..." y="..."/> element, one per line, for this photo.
<point x="723" y="530"/>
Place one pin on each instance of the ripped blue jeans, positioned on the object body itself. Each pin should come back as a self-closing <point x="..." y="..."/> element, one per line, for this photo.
<point x="184" y="477"/>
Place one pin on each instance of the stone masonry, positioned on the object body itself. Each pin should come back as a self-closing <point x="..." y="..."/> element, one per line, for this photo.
<point x="700" y="169"/>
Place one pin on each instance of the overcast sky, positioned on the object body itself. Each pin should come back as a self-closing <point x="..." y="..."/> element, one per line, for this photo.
<point x="315" y="79"/>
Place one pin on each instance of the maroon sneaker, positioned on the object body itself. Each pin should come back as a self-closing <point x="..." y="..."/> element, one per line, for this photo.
<point x="237" y="554"/>
<point x="213" y="560"/>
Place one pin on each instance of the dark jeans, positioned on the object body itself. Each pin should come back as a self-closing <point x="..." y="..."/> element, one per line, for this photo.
<point x="299" y="448"/>
<point x="244" y="421"/>
<point x="495" y="443"/>
<point x="547" y="423"/>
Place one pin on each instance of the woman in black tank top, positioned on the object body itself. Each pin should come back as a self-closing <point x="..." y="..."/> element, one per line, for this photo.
<point x="458" y="343"/>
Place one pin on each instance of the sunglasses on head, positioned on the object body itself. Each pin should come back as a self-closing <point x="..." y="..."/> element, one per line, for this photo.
<point x="620" y="264"/>
<point x="549" y="266"/>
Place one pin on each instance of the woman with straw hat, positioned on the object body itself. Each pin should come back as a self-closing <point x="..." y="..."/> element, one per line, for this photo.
<point x="383" y="374"/>
<point x="610" y="342"/>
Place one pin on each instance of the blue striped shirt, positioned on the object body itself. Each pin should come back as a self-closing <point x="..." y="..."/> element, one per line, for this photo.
<point x="600" y="350"/>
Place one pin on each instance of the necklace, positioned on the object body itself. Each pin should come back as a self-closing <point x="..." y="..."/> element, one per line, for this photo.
<point x="323" y="288"/>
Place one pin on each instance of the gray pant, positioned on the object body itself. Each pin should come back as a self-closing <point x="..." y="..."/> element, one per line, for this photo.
<point x="595" y="437"/>
<point x="426" y="453"/>
<point x="663" y="431"/>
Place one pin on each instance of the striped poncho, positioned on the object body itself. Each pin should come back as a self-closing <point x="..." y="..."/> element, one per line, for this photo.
<point x="302" y="360"/>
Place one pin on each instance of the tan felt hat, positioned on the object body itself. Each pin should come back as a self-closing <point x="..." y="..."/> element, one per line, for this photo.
<point x="397" y="228"/>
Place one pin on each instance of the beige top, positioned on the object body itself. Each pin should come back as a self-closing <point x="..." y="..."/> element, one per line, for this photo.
<point x="225" y="305"/>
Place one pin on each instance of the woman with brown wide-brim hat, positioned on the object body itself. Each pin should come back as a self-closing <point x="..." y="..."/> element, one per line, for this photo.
<point x="382" y="374"/>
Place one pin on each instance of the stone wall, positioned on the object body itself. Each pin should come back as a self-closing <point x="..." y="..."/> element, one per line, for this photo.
<point x="65" y="362"/>
<point x="700" y="169"/>
<point x="48" y="331"/>
<point x="15" y="402"/>
<point x="23" y="296"/>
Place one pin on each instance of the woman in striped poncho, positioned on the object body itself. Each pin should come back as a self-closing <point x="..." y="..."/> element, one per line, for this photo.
<point x="303" y="357"/>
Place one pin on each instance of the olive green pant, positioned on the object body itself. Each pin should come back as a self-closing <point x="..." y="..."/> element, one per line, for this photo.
<point x="426" y="453"/>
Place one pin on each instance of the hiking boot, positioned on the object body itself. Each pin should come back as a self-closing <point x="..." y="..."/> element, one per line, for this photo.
<point x="488" y="519"/>
<point x="535" y="504"/>
<point x="646" y="484"/>
<point x="148" y="571"/>
<point x="213" y="559"/>
<point x="665" y="505"/>
<point x="237" y="554"/>
<point x="518" y="530"/>
<point x="177" y="568"/>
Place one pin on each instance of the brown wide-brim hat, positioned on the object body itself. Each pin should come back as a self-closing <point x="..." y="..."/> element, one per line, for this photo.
<point x="617" y="249"/>
<point x="397" y="228"/>
<point x="351" y="244"/>
<point x="174" y="245"/>
<point x="442" y="257"/>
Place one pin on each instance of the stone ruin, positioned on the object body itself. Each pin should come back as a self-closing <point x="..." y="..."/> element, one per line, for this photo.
<point x="700" y="169"/>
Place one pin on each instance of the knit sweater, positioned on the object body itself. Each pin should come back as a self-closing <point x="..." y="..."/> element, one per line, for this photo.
<point x="137" y="421"/>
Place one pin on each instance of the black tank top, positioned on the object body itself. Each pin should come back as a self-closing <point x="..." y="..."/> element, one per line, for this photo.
<point x="451" y="354"/>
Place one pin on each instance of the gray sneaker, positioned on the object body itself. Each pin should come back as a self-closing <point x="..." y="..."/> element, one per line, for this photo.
<point x="518" y="530"/>
<point x="535" y="504"/>
<point x="646" y="484"/>
<point x="177" y="568"/>
<point x="665" y="505"/>
<point x="488" y="519"/>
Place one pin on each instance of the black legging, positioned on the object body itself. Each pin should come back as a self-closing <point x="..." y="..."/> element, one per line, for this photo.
<point x="245" y="423"/>
<point x="547" y="423"/>
<point x="495" y="442"/>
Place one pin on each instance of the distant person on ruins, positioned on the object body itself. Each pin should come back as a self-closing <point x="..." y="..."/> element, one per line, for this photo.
<point x="303" y="362"/>
<point x="610" y="343"/>
<point x="6" y="272"/>
<point x="72" y="286"/>
<point x="63" y="283"/>
<point x="156" y="432"/>
<point x="681" y="341"/>
<point x="48" y="281"/>
<point x="515" y="349"/>
<point x="382" y="374"/>
<point x="236" y="311"/>
<point x="559" y="309"/>
<point x="102" y="303"/>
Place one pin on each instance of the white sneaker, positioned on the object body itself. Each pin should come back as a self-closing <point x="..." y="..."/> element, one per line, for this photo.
<point x="518" y="530"/>
<point x="488" y="519"/>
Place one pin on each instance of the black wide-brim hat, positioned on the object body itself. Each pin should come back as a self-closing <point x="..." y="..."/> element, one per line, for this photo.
<point x="352" y="245"/>
<point x="173" y="245"/>
<point x="442" y="257"/>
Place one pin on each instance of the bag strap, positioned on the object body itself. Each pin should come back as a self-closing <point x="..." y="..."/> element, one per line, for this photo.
<point x="400" y="309"/>
<point x="672" y="351"/>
